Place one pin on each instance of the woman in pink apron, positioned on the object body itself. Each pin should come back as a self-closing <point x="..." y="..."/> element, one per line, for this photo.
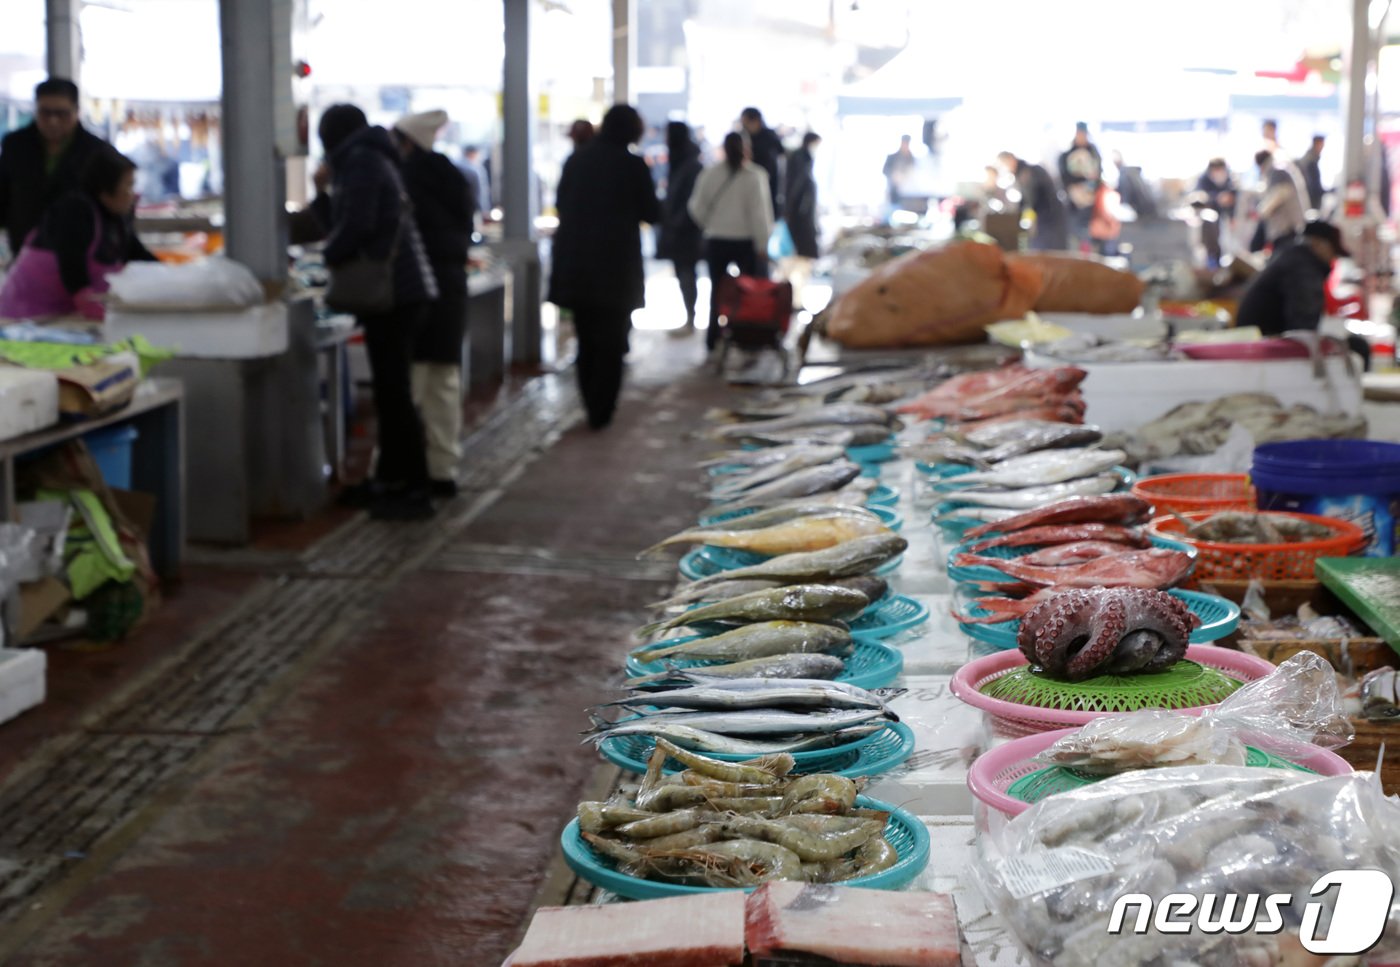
<point x="84" y="237"/>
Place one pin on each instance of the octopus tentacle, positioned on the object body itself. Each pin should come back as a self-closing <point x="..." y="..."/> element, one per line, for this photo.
<point x="1079" y="633"/>
<point x="1107" y="626"/>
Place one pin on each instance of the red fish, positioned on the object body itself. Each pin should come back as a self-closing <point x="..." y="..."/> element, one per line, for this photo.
<point x="1155" y="568"/>
<point x="1064" y="534"/>
<point x="1105" y="509"/>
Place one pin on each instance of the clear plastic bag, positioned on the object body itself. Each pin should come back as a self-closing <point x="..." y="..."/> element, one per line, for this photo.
<point x="1058" y="875"/>
<point x="211" y="283"/>
<point x="1298" y="704"/>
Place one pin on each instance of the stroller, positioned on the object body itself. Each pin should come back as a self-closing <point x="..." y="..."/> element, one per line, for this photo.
<point x="754" y="314"/>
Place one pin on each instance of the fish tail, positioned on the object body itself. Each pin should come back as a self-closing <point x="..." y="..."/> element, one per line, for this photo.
<point x="646" y="631"/>
<point x="681" y="538"/>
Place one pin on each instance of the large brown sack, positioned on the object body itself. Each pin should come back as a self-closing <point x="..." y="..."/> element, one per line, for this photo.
<point x="1082" y="285"/>
<point x="940" y="297"/>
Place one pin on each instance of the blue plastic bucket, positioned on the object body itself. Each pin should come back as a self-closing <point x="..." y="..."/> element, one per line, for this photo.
<point x="111" y="448"/>
<point x="1355" y="480"/>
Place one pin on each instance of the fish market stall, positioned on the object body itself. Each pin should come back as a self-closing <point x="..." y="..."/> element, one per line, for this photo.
<point x="933" y="636"/>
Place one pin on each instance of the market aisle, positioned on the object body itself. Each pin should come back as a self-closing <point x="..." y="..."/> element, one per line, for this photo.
<point x="400" y="804"/>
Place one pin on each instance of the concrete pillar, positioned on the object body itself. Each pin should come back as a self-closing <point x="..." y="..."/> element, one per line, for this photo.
<point x="1358" y="62"/>
<point x="64" y="38"/>
<point x="258" y="121"/>
<point x="624" y="49"/>
<point x="519" y="197"/>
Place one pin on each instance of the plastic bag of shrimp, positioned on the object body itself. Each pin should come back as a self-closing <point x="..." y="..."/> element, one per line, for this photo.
<point x="1282" y="714"/>
<point x="1216" y="866"/>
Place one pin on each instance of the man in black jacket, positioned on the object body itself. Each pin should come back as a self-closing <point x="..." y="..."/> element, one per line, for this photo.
<point x="766" y="149"/>
<point x="43" y="160"/>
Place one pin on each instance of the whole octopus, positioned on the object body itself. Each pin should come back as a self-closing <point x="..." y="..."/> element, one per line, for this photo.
<point x="1106" y="631"/>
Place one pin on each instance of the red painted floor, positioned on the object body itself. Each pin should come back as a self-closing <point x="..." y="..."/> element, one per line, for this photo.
<point x="400" y="805"/>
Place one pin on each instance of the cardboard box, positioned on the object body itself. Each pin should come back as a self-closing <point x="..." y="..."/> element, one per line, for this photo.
<point x="38" y="602"/>
<point x="100" y="387"/>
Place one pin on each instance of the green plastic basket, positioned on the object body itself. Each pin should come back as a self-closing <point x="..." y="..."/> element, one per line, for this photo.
<point x="1184" y="685"/>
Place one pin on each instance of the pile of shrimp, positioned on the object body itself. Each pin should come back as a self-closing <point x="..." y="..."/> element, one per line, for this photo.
<point x="738" y="824"/>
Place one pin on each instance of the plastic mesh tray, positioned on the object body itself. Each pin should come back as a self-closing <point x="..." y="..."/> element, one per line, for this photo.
<point x="872" y="453"/>
<point x="868" y="756"/>
<point x="894" y="614"/>
<point x="1269" y="562"/>
<point x="904" y="831"/>
<point x="873" y="664"/>
<point x="1219" y="617"/>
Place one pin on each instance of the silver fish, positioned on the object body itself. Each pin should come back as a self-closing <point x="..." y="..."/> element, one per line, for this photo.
<point x="860" y="556"/>
<point x="834" y="414"/>
<point x="984" y="515"/>
<point x="760" y="640"/>
<point x="1040" y="431"/>
<point x="704" y="741"/>
<point x="786" y="510"/>
<point x="775" y="666"/>
<point x="1043" y="467"/>
<point x="872" y="587"/>
<point x="761" y="457"/>
<point x="1031" y="497"/>
<point x="737" y="483"/>
<point x="752" y="693"/>
<point x="859" y="435"/>
<point x="753" y="722"/>
<point x="803" y="483"/>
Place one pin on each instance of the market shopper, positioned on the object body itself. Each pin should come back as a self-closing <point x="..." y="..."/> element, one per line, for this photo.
<point x="43" y="160"/>
<point x="766" y="151"/>
<point x="1282" y="208"/>
<point x="678" y="237"/>
<point x="85" y="236"/>
<point x="1081" y="174"/>
<point x="1050" y="231"/>
<point x="1214" y="200"/>
<point x="1309" y="167"/>
<point x="1290" y="294"/>
<point x="731" y="206"/>
<point x="800" y="204"/>
<point x="478" y="178"/>
<point x="899" y="168"/>
<point x="581" y="132"/>
<point x="605" y="193"/>
<point x="442" y="207"/>
<point x="368" y="217"/>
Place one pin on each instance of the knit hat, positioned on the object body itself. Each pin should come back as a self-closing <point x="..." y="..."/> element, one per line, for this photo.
<point x="421" y="128"/>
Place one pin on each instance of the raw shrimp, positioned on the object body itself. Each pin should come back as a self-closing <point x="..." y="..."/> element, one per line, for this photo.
<point x="809" y="842"/>
<point x="738" y="862"/>
<point x="594" y="817"/>
<point x="823" y="792"/>
<point x="667" y="823"/>
<point x="767" y="770"/>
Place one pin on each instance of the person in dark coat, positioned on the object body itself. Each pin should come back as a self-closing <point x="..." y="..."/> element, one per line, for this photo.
<point x="1215" y="193"/>
<point x="85" y="236"/>
<point x="1038" y="194"/>
<point x="801" y="201"/>
<point x="1310" y="168"/>
<point x="766" y="151"/>
<point x="443" y="208"/>
<point x="44" y="159"/>
<point x="678" y="237"/>
<point x="368" y="213"/>
<point x="605" y="193"/>
<point x="1081" y="174"/>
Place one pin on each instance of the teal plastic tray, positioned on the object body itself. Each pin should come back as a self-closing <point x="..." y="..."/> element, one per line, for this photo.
<point x="987" y="574"/>
<point x="1219" y="618"/>
<point x="701" y="562"/>
<point x="873" y="664"/>
<point x="872" y="453"/>
<point x="904" y="831"/>
<point x="892" y="518"/>
<point x="869" y="756"/>
<point x="886" y="618"/>
<point x="883" y="496"/>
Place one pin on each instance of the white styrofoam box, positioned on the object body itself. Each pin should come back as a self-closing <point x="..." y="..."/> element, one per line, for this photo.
<point x="249" y="333"/>
<point x="21" y="680"/>
<point x="1110" y="326"/>
<point x="1124" y="396"/>
<point x="28" y="401"/>
<point x="948" y="736"/>
<point x="953" y="841"/>
<point x="941" y="647"/>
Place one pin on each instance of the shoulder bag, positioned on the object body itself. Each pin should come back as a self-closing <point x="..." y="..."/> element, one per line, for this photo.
<point x="365" y="285"/>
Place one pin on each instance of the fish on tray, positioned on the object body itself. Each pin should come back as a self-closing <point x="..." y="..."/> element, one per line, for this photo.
<point x="701" y="693"/>
<point x="1013" y="388"/>
<point x="859" y="556"/>
<point x="1044" y="467"/>
<point x="797" y="602"/>
<point x="705" y="740"/>
<point x="736" y="483"/>
<point x="833" y="415"/>
<point x="802" y="483"/>
<point x="859" y="435"/>
<point x="1002" y="608"/>
<point x="754" y="459"/>
<point x="1027" y="497"/>
<point x="775" y="666"/>
<point x="1075" y="552"/>
<point x="813" y="532"/>
<point x="870" y="585"/>
<point x="748" y="723"/>
<point x="1065" y="534"/>
<point x="1123" y="509"/>
<point x="759" y="640"/>
<point x="1152" y="568"/>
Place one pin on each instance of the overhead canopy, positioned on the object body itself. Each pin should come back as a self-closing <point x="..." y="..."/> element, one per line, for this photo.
<point x="917" y="81"/>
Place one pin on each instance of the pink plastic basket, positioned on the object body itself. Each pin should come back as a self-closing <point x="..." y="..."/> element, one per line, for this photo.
<point x="1013" y="719"/>
<point x="996" y="771"/>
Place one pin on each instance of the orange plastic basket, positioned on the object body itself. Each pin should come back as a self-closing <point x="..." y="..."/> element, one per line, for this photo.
<point x="1187" y="492"/>
<point x="1269" y="562"/>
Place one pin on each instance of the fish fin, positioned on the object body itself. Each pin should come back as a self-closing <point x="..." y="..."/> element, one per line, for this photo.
<point x="680" y="538"/>
<point x="646" y="631"/>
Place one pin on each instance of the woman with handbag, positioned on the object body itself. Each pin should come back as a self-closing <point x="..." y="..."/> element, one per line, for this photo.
<point x="380" y="273"/>
<point x="605" y="193"/>
<point x="731" y="204"/>
<point x="678" y="237"/>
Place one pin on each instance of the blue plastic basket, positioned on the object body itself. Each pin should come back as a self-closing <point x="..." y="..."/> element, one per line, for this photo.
<point x="1219" y="618"/>
<point x="868" y="756"/>
<point x="701" y="562"/>
<point x="904" y="831"/>
<point x="872" y="453"/>
<point x="883" y="496"/>
<point x="889" y="617"/>
<point x="873" y="664"/>
<point x="985" y="573"/>
<point x="111" y="448"/>
<point x="893" y="520"/>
